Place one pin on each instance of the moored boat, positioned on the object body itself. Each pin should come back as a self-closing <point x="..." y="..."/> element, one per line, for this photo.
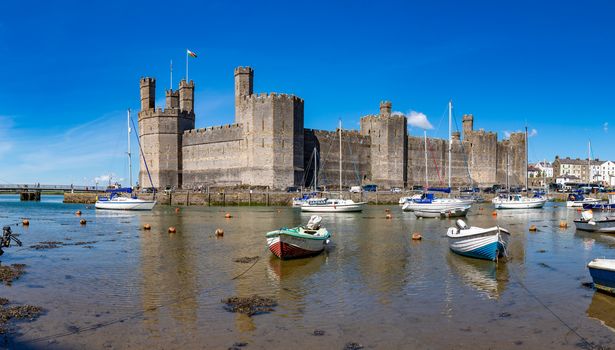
<point x="430" y="202"/>
<point x="297" y="242"/>
<point x="476" y="242"/>
<point x="587" y="222"/>
<point x="577" y="200"/>
<point x="517" y="201"/>
<point x="443" y="213"/>
<point x="117" y="202"/>
<point x="325" y="205"/>
<point x="603" y="274"/>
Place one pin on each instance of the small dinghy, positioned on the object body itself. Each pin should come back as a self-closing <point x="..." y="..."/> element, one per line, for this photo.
<point x="475" y="242"/>
<point x="587" y="222"/>
<point x="577" y="200"/>
<point x="443" y="213"/>
<point x="297" y="242"/>
<point x="603" y="274"/>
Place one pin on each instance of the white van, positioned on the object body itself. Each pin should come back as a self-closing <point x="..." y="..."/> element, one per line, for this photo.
<point x="356" y="189"/>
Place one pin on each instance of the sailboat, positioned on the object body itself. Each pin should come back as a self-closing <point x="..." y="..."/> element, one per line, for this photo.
<point x="299" y="201"/>
<point x="578" y="200"/>
<point x="325" y="205"/>
<point x="517" y="201"/>
<point x="115" y="200"/>
<point x="428" y="201"/>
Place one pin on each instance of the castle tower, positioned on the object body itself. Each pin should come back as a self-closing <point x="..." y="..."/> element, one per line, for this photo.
<point x="148" y="93"/>
<point x="244" y="86"/>
<point x="468" y="125"/>
<point x="385" y="108"/>
<point x="186" y="96"/>
<point x="389" y="139"/>
<point x="172" y="99"/>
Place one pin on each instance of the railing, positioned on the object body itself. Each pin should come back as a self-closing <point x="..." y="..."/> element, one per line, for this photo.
<point x="34" y="187"/>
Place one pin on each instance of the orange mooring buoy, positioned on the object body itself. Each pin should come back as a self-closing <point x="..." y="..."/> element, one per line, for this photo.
<point x="228" y="215"/>
<point x="177" y="210"/>
<point x="78" y="212"/>
<point x="25" y="222"/>
<point x="147" y="227"/>
<point x="563" y="223"/>
<point x="83" y="222"/>
<point x="388" y="216"/>
<point x="387" y="210"/>
<point x="494" y="213"/>
<point x="533" y="228"/>
<point x="416" y="236"/>
<point x="172" y="229"/>
<point x="219" y="232"/>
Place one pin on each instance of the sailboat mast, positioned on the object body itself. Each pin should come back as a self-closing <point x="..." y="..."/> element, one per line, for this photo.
<point x="589" y="162"/>
<point x="129" y="154"/>
<point x="526" y="162"/>
<point x="315" y="169"/>
<point x="507" y="170"/>
<point x="450" y="140"/>
<point x="426" y="177"/>
<point x="340" y="157"/>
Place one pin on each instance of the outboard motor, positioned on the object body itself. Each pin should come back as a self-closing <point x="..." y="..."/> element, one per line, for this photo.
<point x="314" y="223"/>
<point x="7" y="237"/>
<point x="461" y="224"/>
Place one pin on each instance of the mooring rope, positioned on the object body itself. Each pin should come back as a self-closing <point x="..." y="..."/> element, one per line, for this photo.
<point x="535" y="297"/>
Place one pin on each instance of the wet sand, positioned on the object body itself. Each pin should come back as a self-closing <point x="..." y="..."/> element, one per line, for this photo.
<point x="374" y="286"/>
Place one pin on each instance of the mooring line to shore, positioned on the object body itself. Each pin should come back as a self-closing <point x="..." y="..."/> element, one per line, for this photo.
<point x="535" y="297"/>
<point x="130" y="316"/>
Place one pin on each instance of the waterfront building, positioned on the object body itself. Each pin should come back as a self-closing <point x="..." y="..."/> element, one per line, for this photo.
<point x="267" y="146"/>
<point x="545" y="168"/>
<point x="607" y="173"/>
<point x="582" y="168"/>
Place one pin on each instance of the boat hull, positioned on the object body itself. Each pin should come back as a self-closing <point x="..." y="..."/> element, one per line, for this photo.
<point x="125" y="205"/>
<point x="519" y="205"/>
<point x="446" y="213"/>
<point x="286" y="246"/>
<point x="604" y="278"/>
<point x="595" y="226"/>
<point x="579" y="204"/>
<point x="488" y="245"/>
<point x="339" y="208"/>
<point x="436" y="205"/>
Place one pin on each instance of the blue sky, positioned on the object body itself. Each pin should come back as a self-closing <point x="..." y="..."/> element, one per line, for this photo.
<point x="70" y="69"/>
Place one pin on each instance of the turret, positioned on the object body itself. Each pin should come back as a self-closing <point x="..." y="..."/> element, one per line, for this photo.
<point x="172" y="99"/>
<point x="244" y="86"/>
<point x="186" y="96"/>
<point x="148" y="93"/>
<point x="385" y="108"/>
<point x="468" y="124"/>
<point x="456" y="136"/>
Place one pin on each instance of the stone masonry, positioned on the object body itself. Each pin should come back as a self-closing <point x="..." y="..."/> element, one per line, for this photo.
<point x="268" y="146"/>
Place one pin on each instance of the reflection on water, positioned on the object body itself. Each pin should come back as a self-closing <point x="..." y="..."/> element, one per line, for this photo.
<point x="602" y="308"/>
<point x="486" y="277"/>
<point x="373" y="285"/>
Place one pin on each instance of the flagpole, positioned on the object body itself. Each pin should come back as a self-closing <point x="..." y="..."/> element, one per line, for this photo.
<point x="186" y="65"/>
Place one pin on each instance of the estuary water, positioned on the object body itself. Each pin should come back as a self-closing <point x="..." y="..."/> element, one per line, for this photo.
<point x="123" y="287"/>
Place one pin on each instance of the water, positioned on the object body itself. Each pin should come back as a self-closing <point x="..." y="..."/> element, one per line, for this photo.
<point x="373" y="286"/>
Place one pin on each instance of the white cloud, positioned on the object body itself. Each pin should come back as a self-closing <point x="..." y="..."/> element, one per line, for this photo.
<point x="530" y="133"/>
<point x="419" y="120"/>
<point x="605" y="126"/>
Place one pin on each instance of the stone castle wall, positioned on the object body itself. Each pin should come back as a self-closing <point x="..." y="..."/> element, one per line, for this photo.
<point x="269" y="147"/>
<point x="356" y="158"/>
<point x="437" y="162"/>
<point x="214" y="156"/>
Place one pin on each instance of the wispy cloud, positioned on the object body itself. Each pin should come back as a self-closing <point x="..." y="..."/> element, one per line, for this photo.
<point x="418" y="120"/>
<point x="76" y="155"/>
<point x="530" y="133"/>
<point x="605" y="126"/>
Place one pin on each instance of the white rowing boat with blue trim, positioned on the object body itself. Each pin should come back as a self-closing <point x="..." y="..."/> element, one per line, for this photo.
<point x="475" y="242"/>
<point x="603" y="274"/>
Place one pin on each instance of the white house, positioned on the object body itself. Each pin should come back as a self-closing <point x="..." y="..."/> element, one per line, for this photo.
<point x="564" y="179"/>
<point x="606" y="173"/>
<point x="545" y="168"/>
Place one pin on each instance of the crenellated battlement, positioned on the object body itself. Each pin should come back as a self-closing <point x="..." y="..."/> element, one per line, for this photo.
<point x="211" y="128"/>
<point x="244" y="70"/>
<point x="264" y="97"/>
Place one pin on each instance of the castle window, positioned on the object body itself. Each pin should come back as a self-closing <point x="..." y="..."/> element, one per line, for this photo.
<point x="283" y="143"/>
<point x="263" y="143"/>
<point x="263" y="124"/>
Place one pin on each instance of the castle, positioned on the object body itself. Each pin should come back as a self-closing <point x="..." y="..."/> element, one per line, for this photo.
<point x="268" y="146"/>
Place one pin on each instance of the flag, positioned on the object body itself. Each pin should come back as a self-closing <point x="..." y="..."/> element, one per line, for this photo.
<point x="192" y="54"/>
